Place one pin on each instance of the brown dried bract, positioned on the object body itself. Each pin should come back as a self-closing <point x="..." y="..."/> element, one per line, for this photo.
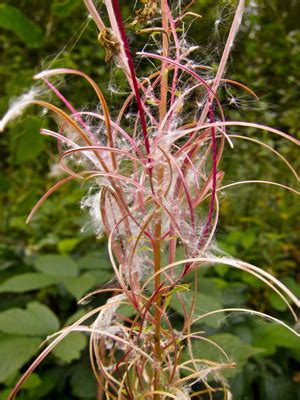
<point x="146" y="14"/>
<point x="110" y="43"/>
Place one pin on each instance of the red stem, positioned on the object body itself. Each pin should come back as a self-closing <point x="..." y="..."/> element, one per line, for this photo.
<point x="133" y="75"/>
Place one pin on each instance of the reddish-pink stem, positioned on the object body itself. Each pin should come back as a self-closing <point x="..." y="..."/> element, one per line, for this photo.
<point x="133" y="75"/>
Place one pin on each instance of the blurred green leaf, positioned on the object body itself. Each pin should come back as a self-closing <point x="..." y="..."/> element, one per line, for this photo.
<point x="74" y="317"/>
<point x="292" y="285"/>
<point x="65" y="246"/>
<point x="27" y="282"/>
<point x="276" y="302"/>
<point x="14" y="20"/>
<point x="64" y="8"/>
<point x="32" y="382"/>
<point x="59" y="266"/>
<point x="15" y="352"/>
<point x="52" y="378"/>
<point x="252" y="280"/>
<point x="101" y="277"/>
<point x="126" y="310"/>
<point x="236" y="350"/>
<point x="29" y="143"/>
<point x="35" y="320"/>
<point x="271" y="336"/>
<point x="4" y="184"/>
<point x="221" y="269"/>
<point x="211" y="286"/>
<point x="70" y="348"/>
<point x="79" y="285"/>
<point x="235" y="294"/>
<point x="248" y="238"/>
<point x="83" y="383"/>
<point x="278" y="388"/>
<point x="97" y="261"/>
<point x="203" y="305"/>
<point x="4" y="395"/>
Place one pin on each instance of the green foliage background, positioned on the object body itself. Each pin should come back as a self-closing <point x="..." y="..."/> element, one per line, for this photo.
<point x="47" y="266"/>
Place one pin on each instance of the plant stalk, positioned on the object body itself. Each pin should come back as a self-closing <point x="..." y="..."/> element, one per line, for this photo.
<point x="157" y="244"/>
<point x="157" y="312"/>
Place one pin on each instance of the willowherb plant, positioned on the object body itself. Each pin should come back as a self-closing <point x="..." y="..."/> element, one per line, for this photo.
<point x="153" y="168"/>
